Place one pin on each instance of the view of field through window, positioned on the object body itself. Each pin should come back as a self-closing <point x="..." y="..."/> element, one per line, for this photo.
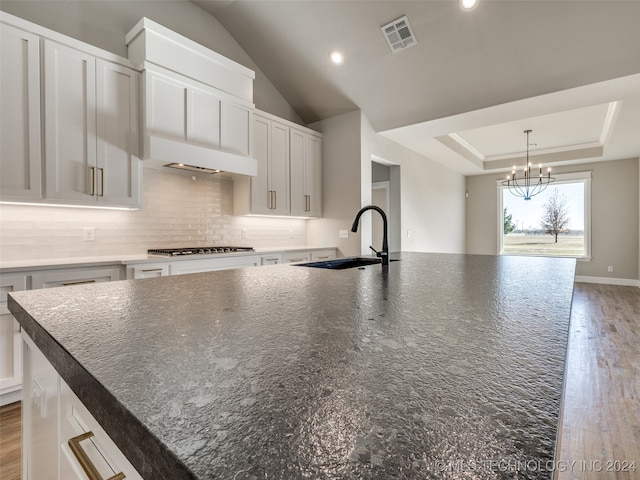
<point x="551" y="223"/>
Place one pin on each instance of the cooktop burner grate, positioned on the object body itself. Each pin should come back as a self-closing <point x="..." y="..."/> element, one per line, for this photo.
<point x="174" y="252"/>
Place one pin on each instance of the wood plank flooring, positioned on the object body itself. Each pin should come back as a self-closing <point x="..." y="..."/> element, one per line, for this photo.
<point x="10" y="442"/>
<point x="600" y="425"/>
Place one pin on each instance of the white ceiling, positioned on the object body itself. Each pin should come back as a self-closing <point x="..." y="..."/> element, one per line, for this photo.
<point x="568" y="70"/>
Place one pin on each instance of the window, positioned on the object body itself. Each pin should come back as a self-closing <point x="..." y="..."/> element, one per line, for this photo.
<point x="554" y="223"/>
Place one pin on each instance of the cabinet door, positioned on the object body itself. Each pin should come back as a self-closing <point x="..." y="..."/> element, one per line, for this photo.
<point x="39" y="415"/>
<point x="20" y="146"/>
<point x="118" y="176"/>
<point x="70" y="123"/>
<point x="313" y="175"/>
<point x="166" y="106"/>
<point x="235" y="128"/>
<point x="297" y="165"/>
<point x="279" y="169"/>
<point x="260" y="191"/>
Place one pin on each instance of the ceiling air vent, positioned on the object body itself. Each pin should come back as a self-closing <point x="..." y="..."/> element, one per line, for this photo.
<point x="399" y="34"/>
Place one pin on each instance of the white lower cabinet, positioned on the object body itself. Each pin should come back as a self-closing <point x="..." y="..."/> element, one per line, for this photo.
<point x="11" y="368"/>
<point x="62" y="440"/>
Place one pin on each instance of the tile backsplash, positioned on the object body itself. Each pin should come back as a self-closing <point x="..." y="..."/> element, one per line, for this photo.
<point x="177" y="211"/>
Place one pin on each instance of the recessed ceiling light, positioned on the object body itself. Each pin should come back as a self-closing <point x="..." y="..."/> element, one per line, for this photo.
<point x="468" y="5"/>
<point x="336" y="57"/>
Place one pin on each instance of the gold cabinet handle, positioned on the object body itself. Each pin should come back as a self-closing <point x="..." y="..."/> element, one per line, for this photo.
<point x="270" y="203"/>
<point x="275" y="199"/>
<point x="324" y="257"/>
<point x="152" y="269"/>
<point x="84" y="460"/>
<point x="93" y="180"/>
<point x="101" y="182"/>
<point x="81" y="282"/>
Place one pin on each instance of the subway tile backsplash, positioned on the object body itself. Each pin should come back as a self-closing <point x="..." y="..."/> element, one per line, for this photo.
<point x="177" y="211"/>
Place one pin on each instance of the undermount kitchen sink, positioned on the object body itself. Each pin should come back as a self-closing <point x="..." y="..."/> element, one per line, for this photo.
<point x="343" y="263"/>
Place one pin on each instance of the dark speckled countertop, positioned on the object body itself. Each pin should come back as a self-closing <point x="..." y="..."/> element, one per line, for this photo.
<point x="444" y="366"/>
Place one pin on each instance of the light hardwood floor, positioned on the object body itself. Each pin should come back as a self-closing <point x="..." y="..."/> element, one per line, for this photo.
<point x="10" y="442"/>
<point x="600" y="427"/>
<point x="601" y="414"/>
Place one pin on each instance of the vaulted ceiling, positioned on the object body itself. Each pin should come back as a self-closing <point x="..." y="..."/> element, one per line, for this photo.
<point x="568" y="70"/>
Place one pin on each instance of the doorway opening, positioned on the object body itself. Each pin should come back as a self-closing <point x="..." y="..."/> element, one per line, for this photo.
<point x="385" y="193"/>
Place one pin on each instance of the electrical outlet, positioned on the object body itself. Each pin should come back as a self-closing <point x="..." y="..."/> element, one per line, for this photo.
<point x="343" y="233"/>
<point x="89" y="234"/>
<point x="244" y="233"/>
<point x="610" y="268"/>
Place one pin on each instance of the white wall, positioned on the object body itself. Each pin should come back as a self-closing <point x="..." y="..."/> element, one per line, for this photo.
<point x="614" y="220"/>
<point x="432" y="196"/>
<point x="104" y="24"/>
<point x="178" y="212"/>
<point x="341" y="183"/>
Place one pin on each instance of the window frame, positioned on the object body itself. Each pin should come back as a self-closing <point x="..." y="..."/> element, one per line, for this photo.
<point x="561" y="178"/>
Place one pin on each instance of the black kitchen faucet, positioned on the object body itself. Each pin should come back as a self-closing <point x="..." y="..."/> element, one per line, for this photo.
<point x="384" y="253"/>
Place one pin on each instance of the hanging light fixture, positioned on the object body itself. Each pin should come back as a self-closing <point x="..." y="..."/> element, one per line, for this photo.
<point x="528" y="185"/>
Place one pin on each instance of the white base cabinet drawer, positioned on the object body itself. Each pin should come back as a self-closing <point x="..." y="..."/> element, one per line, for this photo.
<point x="320" y="255"/>
<point x="69" y="277"/>
<point x="209" y="265"/>
<point x="96" y="449"/>
<point x="294" y="257"/>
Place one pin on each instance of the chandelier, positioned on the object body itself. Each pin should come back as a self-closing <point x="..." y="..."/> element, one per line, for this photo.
<point x="527" y="185"/>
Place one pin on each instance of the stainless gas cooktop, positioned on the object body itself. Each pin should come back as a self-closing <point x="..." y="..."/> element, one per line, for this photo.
<point x="175" y="252"/>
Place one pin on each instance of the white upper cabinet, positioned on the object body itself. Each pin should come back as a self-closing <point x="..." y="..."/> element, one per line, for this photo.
<point x="118" y="141"/>
<point x="306" y="174"/>
<point x="289" y="179"/>
<point x="70" y="123"/>
<point x="269" y="190"/>
<point x="20" y="146"/>
<point x="91" y="129"/>
<point x="89" y="113"/>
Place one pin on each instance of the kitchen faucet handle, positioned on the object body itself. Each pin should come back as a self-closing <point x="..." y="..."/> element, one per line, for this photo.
<point x="375" y="251"/>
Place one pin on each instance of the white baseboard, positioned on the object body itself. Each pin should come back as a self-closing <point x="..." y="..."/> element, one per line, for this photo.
<point x="10" y="397"/>
<point x="629" y="282"/>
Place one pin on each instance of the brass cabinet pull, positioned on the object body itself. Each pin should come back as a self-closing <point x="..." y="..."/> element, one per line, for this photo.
<point x="84" y="460"/>
<point x="101" y="182"/>
<point x="93" y="180"/>
<point x="275" y="199"/>
<point x="152" y="270"/>
<point x="324" y="257"/>
<point x="270" y="203"/>
<point x="81" y="282"/>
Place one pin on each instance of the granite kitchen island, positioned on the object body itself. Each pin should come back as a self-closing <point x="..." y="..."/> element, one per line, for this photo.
<point x="442" y="366"/>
